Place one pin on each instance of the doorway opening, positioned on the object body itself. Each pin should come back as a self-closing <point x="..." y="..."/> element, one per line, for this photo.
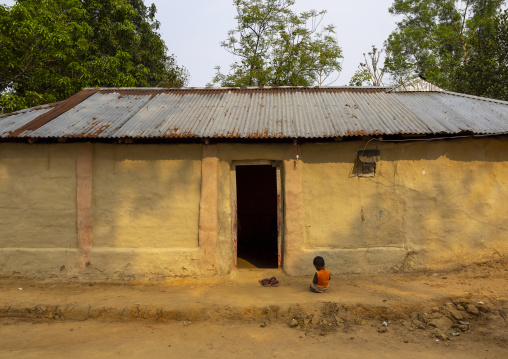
<point x="258" y="226"/>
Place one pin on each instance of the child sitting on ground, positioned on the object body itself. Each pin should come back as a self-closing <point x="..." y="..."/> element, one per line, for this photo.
<point x="321" y="278"/>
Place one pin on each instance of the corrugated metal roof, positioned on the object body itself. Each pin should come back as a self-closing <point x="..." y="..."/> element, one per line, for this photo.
<point x="16" y="120"/>
<point x="269" y="112"/>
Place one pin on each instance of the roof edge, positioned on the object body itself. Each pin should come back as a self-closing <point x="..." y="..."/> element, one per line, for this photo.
<point x="34" y="108"/>
<point x="502" y="102"/>
<point x="209" y="88"/>
<point x="418" y="84"/>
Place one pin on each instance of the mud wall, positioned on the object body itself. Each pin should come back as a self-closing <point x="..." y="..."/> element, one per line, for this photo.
<point x="167" y="210"/>
<point x="145" y="208"/>
<point x="145" y="211"/>
<point x="431" y="205"/>
<point x="146" y="196"/>
<point x="37" y="207"/>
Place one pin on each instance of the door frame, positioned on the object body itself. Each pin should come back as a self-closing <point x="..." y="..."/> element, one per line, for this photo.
<point x="280" y="209"/>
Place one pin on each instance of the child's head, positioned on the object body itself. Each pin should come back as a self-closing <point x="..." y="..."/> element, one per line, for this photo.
<point x="319" y="262"/>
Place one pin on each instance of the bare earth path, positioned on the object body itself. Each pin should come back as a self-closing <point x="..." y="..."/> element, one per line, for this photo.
<point x="382" y="316"/>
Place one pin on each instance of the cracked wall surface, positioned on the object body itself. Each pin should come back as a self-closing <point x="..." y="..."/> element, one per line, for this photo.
<point x="166" y="210"/>
<point x="433" y="204"/>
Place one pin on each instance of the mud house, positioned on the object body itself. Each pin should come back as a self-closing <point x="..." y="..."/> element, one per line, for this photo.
<point x="124" y="183"/>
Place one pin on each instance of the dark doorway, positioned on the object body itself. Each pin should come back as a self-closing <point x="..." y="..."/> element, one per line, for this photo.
<point x="256" y="187"/>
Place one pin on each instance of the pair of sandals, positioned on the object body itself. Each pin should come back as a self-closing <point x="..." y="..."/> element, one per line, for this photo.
<point x="269" y="282"/>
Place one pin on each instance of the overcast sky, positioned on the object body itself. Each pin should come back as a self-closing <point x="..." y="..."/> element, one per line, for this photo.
<point x="193" y="29"/>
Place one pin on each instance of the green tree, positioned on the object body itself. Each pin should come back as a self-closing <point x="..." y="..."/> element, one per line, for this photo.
<point x="486" y="72"/>
<point x="277" y="47"/>
<point x="127" y="46"/>
<point x="369" y="72"/>
<point x="437" y="36"/>
<point x="51" y="49"/>
<point x="40" y="45"/>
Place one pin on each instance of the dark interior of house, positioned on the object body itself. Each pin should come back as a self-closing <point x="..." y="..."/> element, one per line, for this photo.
<point x="256" y="187"/>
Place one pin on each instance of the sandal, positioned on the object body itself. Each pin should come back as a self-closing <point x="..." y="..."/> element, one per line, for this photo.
<point x="265" y="282"/>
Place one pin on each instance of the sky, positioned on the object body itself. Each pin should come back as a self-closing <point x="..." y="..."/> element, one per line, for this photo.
<point x="193" y="30"/>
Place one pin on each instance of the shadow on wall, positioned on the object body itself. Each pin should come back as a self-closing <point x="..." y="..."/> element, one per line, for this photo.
<point x="38" y="195"/>
<point x="146" y="201"/>
<point x="485" y="149"/>
<point x="444" y="202"/>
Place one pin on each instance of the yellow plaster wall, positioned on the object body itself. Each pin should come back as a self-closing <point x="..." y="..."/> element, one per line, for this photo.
<point x="431" y="205"/>
<point x="38" y="195"/>
<point x="443" y="202"/>
<point x="146" y="196"/>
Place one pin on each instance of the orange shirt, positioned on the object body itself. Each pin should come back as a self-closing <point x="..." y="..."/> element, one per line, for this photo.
<point x="323" y="278"/>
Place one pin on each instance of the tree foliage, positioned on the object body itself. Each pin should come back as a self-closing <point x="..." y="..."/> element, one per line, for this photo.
<point x="486" y="72"/>
<point x="274" y="46"/>
<point x="369" y="72"/>
<point x="436" y="37"/>
<point x="51" y="49"/>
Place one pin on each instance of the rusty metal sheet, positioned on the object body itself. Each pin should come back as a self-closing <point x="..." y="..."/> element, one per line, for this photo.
<point x="258" y="113"/>
<point x="267" y="115"/>
<point x="99" y="116"/>
<point x="13" y="122"/>
<point x="58" y="109"/>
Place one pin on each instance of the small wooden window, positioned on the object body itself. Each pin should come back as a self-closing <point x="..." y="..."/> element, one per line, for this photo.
<point x="366" y="163"/>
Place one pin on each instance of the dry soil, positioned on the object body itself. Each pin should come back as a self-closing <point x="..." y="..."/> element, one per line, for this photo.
<point x="426" y="315"/>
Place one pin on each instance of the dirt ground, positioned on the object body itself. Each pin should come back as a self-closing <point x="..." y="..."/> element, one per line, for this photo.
<point x="97" y="339"/>
<point x="461" y="313"/>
